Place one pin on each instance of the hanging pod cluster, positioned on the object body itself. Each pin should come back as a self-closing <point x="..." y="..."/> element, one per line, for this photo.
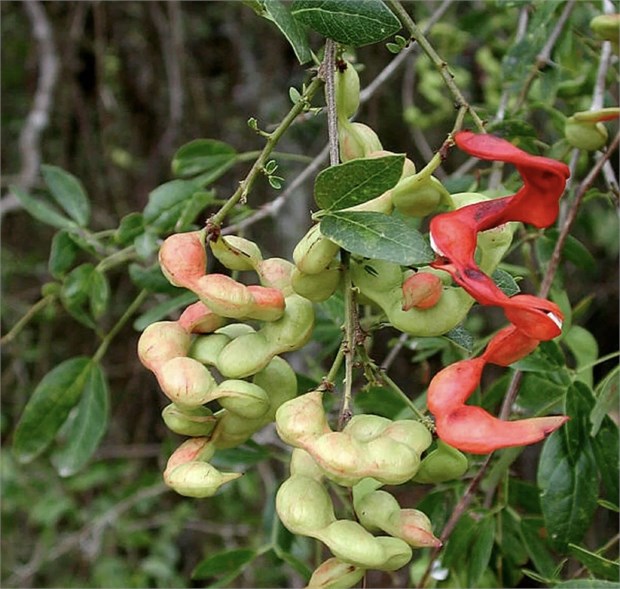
<point x="218" y="334"/>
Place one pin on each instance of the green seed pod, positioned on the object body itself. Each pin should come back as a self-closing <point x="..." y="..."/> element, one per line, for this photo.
<point x="342" y="458"/>
<point x="442" y="464"/>
<point x="244" y="356"/>
<point x="302" y="419"/>
<point x="374" y="509"/>
<point x="414" y="527"/>
<point x="160" y="342"/>
<point x="198" y="421"/>
<point x="236" y="253"/>
<point x="397" y="553"/>
<point x="351" y="543"/>
<point x="206" y="348"/>
<point x="186" y="382"/>
<point x="279" y="381"/>
<point x="317" y="287"/>
<point x="314" y="252"/>
<point x="583" y="135"/>
<point x="419" y="196"/>
<point x="193" y="450"/>
<point x="347" y="86"/>
<point x="356" y="140"/>
<point x="392" y="463"/>
<point x="276" y="273"/>
<point x="606" y="27"/>
<point x="241" y="398"/>
<point x="303" y="464"/>
<point x="232" y="429"/>
<point x="412" y="433"/>
<point x="335" y="574"/>
<point x="304" y="506"/>
<point x="366" y="427"/>
<point x="233" y="330"/>
<point x="198" y="479"/>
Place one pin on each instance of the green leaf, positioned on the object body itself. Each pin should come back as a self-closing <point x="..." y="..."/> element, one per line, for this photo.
<point x="223" y="563"/>
<point x="296" y="564"/>
<point x="379" y="401"/>
<point x="588" y="584"/>
<point x="164" y="309"/>
<point x="598" y="565"/>
<point x="129" y="228"/>
<point x="203" y="156"/>
<point x="167" y="202"/>
<point x="75" y="293"/>
<point x="584" y="347"/>
<point x="461" y="337"/>
<point x="505" y="282"/>
<point x="351" y="22"/>
<point x="606" y="399"/>
<point x="294" y="31"/>
<point x="49" y="406"/>
<point x="193" y="207"/>
<point x="151" y="279"/>
<point x="537" y="550"/>
<point x="85" y="428"/>
<point x="41" y="210"/>
<point x="68" y="192"/>
<point x="98" y="293"/>
<point x="569" y="486"/>
<point x="357" y="181"/>
<point x="480" y="555"/>
<point x="62" y="254"/>
<point x="605" y="447"/>
<point x="573" y="250"/>
<point x="378" y="236"/>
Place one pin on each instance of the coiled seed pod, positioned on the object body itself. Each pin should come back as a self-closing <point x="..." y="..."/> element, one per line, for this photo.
<point x="335" y="574"/>
<point x="442" y="464"/>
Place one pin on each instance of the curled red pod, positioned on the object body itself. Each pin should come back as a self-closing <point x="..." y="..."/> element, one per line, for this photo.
<point x="472" y="429"/>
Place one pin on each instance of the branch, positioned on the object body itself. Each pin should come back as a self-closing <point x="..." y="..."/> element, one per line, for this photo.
<point x="38" y="117"/>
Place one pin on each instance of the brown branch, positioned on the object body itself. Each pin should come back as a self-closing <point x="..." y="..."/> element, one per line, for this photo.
<point x="39" y="115"/>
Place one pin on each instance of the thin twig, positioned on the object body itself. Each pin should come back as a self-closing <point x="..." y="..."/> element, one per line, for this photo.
<point x="273" y="208"/>
<point x="329" y="65"/>
<point x="39" y="115"/>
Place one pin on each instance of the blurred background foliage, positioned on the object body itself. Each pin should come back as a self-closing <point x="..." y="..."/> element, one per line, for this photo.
<point x="136" y="81"/>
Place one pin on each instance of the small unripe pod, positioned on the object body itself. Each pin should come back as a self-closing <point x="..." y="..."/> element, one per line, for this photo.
<point x="304" y="506"/>
<point x="161" y="341"/>
<point x="186" y="382"/>
<point x="421" y="290"/>
<point x="236" y="253"/>
<point x="196" y="449"/>
<point x="356" y="140"/>
<point x="419" y="196"/>
<point x="414" y="527"/>
<point x="317" y="287"/>
<point x="606" y="27"/>
<point x="232" y="430"/>
<point x="442" y="464"/>
<point x="183" y="259"/>
<point x="588" y="136"/>
<point x="314" y="252"/>
<point x="397" y="553"/>
<point x="198" y="479"/>
<point x="335" y="574"/>
<point x="347" y="86"/>
<point x="193" y="422"/>
<point x="302" y="419"/>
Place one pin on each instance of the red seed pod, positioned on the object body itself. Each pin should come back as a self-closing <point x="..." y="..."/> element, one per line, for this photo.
<point x="422" y="291"/>
<point x="198" y="318"/>
<point x="183" y="258"/>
